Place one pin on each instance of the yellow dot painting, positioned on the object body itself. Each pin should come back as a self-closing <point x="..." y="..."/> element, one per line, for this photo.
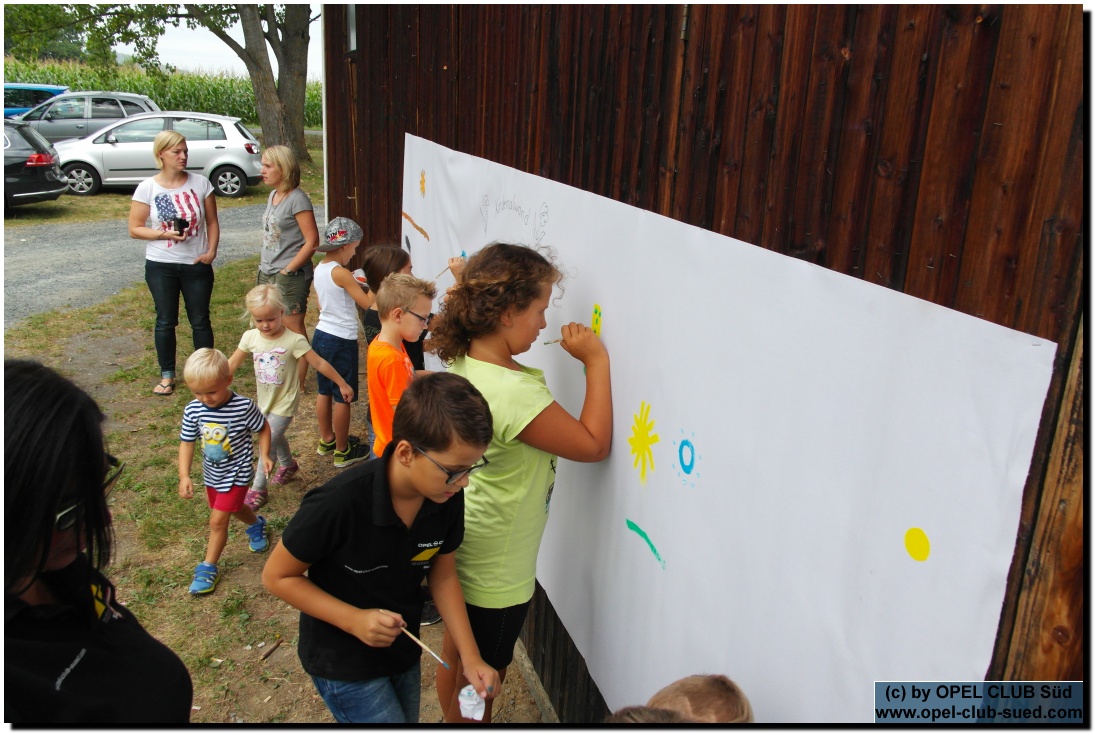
<point x="917" y="544"/>
<point x="422" y="182"/>
<point x="642" y="439"/>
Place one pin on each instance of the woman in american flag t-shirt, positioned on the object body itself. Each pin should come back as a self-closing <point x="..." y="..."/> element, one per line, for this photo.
<point x="175" y="212"/>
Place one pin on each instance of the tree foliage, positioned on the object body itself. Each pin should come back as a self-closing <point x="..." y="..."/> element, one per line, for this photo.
<point x="29" y="31"/>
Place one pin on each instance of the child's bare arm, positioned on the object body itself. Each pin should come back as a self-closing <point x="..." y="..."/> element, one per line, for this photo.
<point x="284" y="576"/>
<point x="449" y="598"/>
<point x="345" y="280"/>
<point x="589" y="437"/>
<point x="327" y="370"/>
<point x="186" y="459"/>
<point x="456" y="265"/>
<point x="236" y="360"/>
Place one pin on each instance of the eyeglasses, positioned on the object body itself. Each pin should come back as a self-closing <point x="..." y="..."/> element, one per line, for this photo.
<point x="453" y="475"/>
<point x="67" y="518"/>
<point x="425" y="321"/>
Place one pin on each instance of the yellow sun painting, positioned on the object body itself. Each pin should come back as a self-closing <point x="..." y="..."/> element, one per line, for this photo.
<point x="422" y="182"/>
<point x="642" y="440"/>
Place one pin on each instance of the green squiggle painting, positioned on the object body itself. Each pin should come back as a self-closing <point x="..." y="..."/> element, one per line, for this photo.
<point x="633" y="527"/>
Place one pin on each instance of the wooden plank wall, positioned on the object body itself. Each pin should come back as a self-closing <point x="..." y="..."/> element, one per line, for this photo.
<point x="934" y="150"/>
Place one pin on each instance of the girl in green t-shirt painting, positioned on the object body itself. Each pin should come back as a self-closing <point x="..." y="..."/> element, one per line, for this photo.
<point x="493" y="313"/>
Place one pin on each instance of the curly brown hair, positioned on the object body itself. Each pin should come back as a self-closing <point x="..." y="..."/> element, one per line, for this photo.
<point x="496" y="278"/>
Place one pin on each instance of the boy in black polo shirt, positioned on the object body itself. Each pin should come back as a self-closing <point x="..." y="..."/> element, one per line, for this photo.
<point x="367" y="537"/>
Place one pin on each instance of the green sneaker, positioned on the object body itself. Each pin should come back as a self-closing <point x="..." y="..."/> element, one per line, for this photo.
<point x="354" y="453"/>
<point x="325" y="448"/>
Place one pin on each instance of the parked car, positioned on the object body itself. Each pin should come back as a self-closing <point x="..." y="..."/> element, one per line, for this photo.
<point x="220" y="147"/>
<point x="19" y="98"/>
<point x="76" y="114"/>
<point x="31" y="173"/>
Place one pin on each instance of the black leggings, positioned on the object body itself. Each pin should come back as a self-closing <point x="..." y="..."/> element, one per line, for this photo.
<point x="496" y="631"/>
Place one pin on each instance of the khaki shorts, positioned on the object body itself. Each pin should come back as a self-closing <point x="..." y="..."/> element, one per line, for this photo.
<point x="294" y="289"/>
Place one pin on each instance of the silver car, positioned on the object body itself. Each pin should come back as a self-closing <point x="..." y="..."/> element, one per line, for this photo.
<point x="220" y="148"/>
<point x="76" y="114"/>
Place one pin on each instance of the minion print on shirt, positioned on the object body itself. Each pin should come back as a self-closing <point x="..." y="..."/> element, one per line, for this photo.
<point x="215" y="442"/>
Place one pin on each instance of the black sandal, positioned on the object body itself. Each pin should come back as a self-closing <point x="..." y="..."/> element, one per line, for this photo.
<point x="164" y="389"/>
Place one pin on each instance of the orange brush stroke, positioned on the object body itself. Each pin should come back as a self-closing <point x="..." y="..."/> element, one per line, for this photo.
<point x="415" y="226"/>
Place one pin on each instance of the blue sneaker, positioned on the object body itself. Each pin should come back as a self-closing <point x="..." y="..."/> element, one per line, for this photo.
<point x="256" y="535"/>
<point x="205" y="581"/>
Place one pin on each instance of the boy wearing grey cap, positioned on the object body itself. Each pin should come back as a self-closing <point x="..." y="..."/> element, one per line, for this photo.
<point x="335" y="338"/>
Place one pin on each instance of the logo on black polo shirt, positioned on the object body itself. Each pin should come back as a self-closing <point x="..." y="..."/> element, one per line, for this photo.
<point x="428" y="551"/>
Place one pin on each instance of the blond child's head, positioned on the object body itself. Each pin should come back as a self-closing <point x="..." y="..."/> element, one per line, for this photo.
<point x="207" y="367"/>
<point x="705" y="698"/>
<point x="263" y="297"/>
<point x="402" y="291"/>
<point x="644" y="716"/>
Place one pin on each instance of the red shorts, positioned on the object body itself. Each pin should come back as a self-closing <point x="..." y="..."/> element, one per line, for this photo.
<point x="230" y="501"/>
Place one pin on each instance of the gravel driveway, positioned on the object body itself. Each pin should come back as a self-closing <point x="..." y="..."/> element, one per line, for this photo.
<point x="50" y="267"/>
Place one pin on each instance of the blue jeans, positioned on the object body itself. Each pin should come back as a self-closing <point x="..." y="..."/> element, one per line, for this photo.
<point x="166" y="281"/>
<point x="387" y="699"/>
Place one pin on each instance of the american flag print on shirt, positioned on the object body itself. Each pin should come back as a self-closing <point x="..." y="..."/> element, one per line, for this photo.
<point x="184" y="204"/>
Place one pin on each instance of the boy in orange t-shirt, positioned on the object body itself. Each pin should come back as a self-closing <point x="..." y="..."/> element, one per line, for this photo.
<point x="403" y="303"/>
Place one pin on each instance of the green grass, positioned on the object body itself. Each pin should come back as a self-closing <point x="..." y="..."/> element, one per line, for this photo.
<point x="161" y="534"/>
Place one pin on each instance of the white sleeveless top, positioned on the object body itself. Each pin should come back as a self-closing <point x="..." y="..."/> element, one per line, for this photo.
<point x="337" y="310"/>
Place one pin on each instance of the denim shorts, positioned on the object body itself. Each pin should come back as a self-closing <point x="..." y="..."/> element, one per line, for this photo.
<point x="386" y="699"/>
<point x="294" y="289"/>
<point x="343" y="356"/>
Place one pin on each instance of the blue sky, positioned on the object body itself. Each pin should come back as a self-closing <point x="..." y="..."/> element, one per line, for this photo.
<point x="200" y="50"/>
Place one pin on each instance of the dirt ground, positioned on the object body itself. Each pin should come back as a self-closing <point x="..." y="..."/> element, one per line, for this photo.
<point x="247" y="688"/>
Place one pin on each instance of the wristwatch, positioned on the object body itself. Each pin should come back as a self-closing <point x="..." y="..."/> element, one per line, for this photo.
<point x="286" y="272"/>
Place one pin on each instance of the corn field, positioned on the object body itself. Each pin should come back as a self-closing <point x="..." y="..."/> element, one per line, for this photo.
<point x="219" y="94"/>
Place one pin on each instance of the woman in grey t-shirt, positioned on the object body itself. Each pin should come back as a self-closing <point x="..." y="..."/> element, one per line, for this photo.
<point x="289" y="239"/>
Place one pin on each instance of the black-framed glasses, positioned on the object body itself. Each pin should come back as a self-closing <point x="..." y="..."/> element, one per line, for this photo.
<point x="453" y="475"/>
<point x="425" y="323"/>
<point x="67" y="518"/>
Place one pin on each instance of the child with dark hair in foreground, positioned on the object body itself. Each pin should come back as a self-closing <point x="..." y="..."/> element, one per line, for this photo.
<point x="353" y="557"/>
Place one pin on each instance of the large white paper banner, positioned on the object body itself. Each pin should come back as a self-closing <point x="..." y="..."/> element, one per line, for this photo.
<point x="814" y="483"/>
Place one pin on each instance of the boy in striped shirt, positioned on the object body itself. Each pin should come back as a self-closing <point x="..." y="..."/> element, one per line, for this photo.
<point x="224" y="421"/>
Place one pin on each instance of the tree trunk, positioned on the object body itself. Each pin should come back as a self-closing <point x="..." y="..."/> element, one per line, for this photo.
<point x="280" y="107"/>
<point x="293" y="75"/>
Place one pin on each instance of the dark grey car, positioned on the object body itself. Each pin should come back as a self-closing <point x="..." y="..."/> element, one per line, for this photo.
<point x="31" y="171"/>
<point x="76" y="114"/>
